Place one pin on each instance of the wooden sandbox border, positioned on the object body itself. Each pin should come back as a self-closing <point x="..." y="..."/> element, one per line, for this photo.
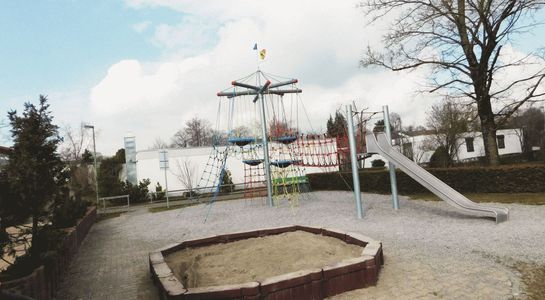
<point x="347" y="275"/>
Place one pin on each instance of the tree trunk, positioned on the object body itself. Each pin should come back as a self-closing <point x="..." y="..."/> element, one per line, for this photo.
<point x="488" y="130"/>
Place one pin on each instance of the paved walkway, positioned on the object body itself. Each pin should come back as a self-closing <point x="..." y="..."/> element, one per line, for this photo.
<point x="425" y="254"/>
<point x="109" y="265"/>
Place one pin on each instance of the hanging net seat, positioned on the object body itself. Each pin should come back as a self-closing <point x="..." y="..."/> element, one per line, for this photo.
<point x="253" y="162"/>
<point x="283" y="163"/>
<point x="287" y="139"/>
<point x="241" y="141"/>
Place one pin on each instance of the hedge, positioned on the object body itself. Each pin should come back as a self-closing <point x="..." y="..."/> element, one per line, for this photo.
<point x="502" y="179"/>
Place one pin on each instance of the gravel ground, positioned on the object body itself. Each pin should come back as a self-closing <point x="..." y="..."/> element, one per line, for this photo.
<point x="430" y="249"/>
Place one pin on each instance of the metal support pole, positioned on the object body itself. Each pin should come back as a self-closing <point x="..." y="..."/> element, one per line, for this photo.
<point x="166" y="188"/>
<point x="391" y="166"/>
<point x="265" y="142"/>
<point x="94" y="159"/>
<point x="354" y="161"/>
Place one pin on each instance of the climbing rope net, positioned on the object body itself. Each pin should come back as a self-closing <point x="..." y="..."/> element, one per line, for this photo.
<point x="289" y="152"/>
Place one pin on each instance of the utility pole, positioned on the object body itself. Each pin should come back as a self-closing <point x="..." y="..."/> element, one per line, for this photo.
<point x="94" y="158"/>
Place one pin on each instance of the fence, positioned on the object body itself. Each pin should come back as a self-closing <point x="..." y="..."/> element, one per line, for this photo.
<point x="109" y="199"/>
<point x="43" y="282"/>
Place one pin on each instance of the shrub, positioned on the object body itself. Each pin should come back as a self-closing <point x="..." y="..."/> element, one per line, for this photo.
<point x="440" y="158"/>
<point x="67" y="211"/>
<point x="159" y="193"/>
<point x="227" y="185"/>
<point x="108" y="175"/>
<point x="503" y="179"/>
<point x="190" y="194"/>
<point x="137" y="193"/>
<point x="378" y="163"/>
<point x="47" y="243"/>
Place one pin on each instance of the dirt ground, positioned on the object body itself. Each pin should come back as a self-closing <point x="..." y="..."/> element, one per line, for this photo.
<point x="257" y="258"/>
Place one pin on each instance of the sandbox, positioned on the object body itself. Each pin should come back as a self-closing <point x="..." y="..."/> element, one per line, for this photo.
<point x="267" y="264"/>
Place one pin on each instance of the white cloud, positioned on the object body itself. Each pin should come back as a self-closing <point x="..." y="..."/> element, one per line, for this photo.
<point x="318" y="42"/>
<point x="191" y="36"/>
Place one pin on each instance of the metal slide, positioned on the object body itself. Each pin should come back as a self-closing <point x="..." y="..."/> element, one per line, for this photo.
<point x="432" y="183"/>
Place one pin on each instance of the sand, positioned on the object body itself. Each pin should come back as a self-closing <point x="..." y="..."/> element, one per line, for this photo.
<point x="257" y="258"/>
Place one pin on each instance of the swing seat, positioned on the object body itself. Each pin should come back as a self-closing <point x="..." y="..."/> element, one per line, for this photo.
<point x="283" y="163"/>
<point x="287" y="139"/>
<point x="252" y="162"/>
<point x="241" y="141"/>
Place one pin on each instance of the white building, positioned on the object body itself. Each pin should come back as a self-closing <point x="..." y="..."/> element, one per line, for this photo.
<point x="470" y="146"/>
<point x="195" y="160"/>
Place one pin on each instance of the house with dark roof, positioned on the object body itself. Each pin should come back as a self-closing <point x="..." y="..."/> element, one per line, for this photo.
<point x="4" y="152"/>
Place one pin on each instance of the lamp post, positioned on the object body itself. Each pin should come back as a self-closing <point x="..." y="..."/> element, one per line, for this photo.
<point x="94" y="157"/>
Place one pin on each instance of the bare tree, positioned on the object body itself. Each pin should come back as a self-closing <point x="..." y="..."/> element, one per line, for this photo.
<point x="73" y="149"/>
<point x="75" y="141"/>
<point x="159" y="143"/>
<point x="461" y="42"/>
<point x="219" y="137"/>
<point x="197" y="132"/>
<point x="180" y="139"/>
<point x="449" y="121"/>
<point x="186" y="174"/>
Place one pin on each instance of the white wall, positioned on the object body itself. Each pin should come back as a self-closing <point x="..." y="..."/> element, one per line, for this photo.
<point x="512" y="144"/>
<point x="147" y="163"/>
<point x="197" y="158"/>
<point x="512" y="139"/>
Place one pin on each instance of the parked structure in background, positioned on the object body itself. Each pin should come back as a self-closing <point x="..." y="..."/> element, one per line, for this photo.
<point x="4" y="152"/>
<point x="420" y="147"/>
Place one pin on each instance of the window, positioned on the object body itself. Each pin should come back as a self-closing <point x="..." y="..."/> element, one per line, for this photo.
<point x="501" y="141"/>
<point x="469" y="145"/>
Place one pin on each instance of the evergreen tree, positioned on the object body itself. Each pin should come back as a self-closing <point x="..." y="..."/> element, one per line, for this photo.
<point x="330" y="126"/>
<point x="336" y="127"/>
<point x="108" y="174"/>
<point x="35" y="171"/>
<point x="340" y="124"/>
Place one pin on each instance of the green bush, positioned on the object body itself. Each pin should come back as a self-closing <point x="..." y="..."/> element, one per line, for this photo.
<point x="440" y="158"/>
<point x="502" y="179"/>
<point x="108" y="175"/>
<point x="378" y="163"/>
<point x="67" y="212"/>
<point x="159" y="193"/>
<point x="137" y="193"/>
<point x="47" y="243"/>
<point x="227" y="185"/>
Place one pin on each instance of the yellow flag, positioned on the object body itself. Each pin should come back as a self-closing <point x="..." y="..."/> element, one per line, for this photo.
<point x="262" y="54"/>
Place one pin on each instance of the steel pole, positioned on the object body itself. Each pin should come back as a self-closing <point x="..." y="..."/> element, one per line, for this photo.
<point x="265" y="142"/>
<point x="391" y="166"/>
<point x="95" y="162"/>
<point x="354" y="161"/>
<point x="166" y="188"/>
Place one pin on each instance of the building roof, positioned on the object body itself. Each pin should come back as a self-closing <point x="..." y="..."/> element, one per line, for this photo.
<point x="5" y="150"/>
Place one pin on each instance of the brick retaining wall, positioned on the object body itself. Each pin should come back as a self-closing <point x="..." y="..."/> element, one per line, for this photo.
<point x="42" y="283"/>
<point x="347" y="275"/>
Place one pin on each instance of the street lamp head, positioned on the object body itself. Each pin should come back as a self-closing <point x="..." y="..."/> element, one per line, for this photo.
<point x="88" y="126"/>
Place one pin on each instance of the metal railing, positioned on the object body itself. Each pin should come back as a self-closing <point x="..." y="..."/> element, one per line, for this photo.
<point x="104" y="199"/>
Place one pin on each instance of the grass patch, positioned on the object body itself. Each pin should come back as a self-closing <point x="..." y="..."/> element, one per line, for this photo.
<point x="176" y="206"/>
<point x="520" y="198"/>
<point x="106" y="216"/>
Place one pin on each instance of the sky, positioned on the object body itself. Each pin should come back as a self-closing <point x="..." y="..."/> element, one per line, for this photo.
<point x="145" y="67"/>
